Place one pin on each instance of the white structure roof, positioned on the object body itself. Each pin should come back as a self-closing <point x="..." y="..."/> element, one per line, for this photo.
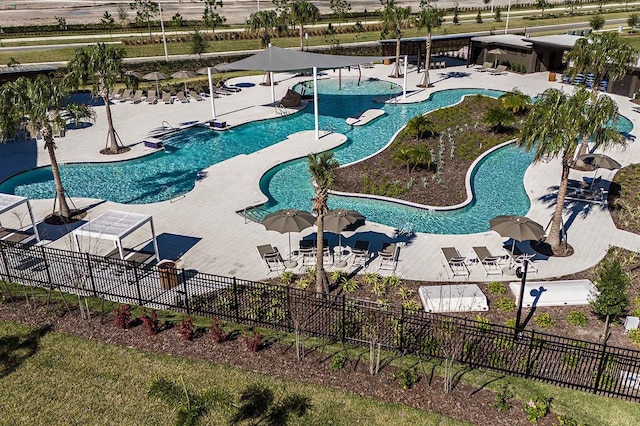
<point x="565" y="41"/>
<point x="10" y="202"/>
<point x="115" y="225"/>
<point x="453" y="298"/>
<point x="510" y="40"/>
<point x="554" y="293"/>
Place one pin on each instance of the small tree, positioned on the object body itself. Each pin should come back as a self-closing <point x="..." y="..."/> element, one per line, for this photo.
<point x="108" y="21"/>
<point x="177" y="19"/>
<point x="497" y="15"/>
<point x="633" y="20"/>
<point x="198" y="44"/>
<point x="210" y="16"/>
<point x="123" y="15"/>
<point x="456" y="15"/>
<point x="340" y="8"/>
<point x="612" y="301"/>
<point x="499" y="118"/>
<point x="542" y="5"/>
<point x="145" y="10"/>
<point x="596" y="22"/>
<point x="515" y="101"/>
<point x="479" y="17"/>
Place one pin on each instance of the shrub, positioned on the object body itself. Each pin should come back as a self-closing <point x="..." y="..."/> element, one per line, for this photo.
<point x="505" y="305"/>
<point x="252" y="341"/>
<point x="349" y="285"/>
<point x="405" y="293"/>
<point x="185" y="328"/>
<point x="570" y="361"/>
<point x="496" y="287"/>
<point x="371" y="278"/>
<point x="379" y="288"/>
<point x="634" y="336"/>
<point x="482" y="323"/>
<point x="336" y="276"/>
<point x="338" y="361"/>
<point x="150" y="322"/>
<point x="564" y="420"/>
<point x="303" y="283"/>
<point x="577" y="318"/>
<point x="537" y="409"/>
<point x="544" y="320"/>
<point x="123" y="317"/>
<point x="612" y="284"/>
<point x="411" y="306"/>
<point x="511" y="323"/>
<point x="503" y="343"/>
<point x="392" y="281"/>
<point x="503" y="398"/>
<point x="407" y="378"/>
<point x="287" y="277"/>
<point x="217" y="333"/>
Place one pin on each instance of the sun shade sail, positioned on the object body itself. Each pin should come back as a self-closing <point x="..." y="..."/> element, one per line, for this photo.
<point x="10" y="202"/>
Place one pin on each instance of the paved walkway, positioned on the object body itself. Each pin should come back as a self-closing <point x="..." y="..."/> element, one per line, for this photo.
<point x="205" y="231"/>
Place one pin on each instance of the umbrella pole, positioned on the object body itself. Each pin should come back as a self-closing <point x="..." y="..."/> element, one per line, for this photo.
<point x="213" y="105"/>
<point x="289" y="246"/>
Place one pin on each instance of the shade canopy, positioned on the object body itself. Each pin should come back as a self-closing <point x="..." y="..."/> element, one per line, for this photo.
<point x="277" y="59"/>
<point x="519" y="228"/>
<point x="183" y="74"/>
<point x="337" y="220"/>
<point x="288" y="220"/>
<point x="115" y="225"/>
<point x="600" y="161"/>
<point x="155" y="75"/>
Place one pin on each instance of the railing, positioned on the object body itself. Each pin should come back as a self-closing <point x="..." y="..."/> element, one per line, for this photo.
<point x="587" y="366"/>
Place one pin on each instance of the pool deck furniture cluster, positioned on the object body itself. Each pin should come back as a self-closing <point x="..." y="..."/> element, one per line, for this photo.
<point x="226" y="241"/>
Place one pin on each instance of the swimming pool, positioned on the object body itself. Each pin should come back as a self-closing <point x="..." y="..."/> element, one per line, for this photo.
<point x="145" y="180"/>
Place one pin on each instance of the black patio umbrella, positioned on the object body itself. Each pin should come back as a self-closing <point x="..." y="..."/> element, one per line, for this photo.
<point x="519" y="228"/>
<point x="337" y="220"/>
<point x="289" y="220"/>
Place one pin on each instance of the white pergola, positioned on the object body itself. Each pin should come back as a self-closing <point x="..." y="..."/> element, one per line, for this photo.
<point x="114" y="226"/>
<point x="10" y="202"/>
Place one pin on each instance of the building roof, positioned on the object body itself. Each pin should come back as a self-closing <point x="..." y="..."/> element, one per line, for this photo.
<point x="507" y="40"/>
<point x="113" y="225"/>
<point x="25" y="69"/>
<point x="564" y="41"/>
<point x="433" y="38"/>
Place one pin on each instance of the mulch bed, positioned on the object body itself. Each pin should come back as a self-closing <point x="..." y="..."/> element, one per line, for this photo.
<point x="465" y="402"/>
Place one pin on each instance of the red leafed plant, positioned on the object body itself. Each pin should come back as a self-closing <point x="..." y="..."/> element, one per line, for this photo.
<point x="253" y="340"/>
<point x="150" y="322"/>
<point x="217" y="333"/>
<point x="185" y="328"/>
<point x="123" y="317"/>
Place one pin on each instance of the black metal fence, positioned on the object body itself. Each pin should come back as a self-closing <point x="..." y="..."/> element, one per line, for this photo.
<point x="587" y="366"/>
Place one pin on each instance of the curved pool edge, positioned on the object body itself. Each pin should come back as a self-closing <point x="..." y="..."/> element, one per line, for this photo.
<point x="468" y="187"/>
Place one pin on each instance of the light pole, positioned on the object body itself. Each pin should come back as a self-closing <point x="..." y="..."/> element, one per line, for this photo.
<point x="506" y="28"/>
<point x="164" y="38"/>
<point x="520" y="273"/>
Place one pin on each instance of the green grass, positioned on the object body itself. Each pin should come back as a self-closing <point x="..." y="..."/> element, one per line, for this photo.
<point x="70" y="380"/>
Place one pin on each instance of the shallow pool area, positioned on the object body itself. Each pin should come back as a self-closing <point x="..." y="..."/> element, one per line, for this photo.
<point x="497" y="181"/>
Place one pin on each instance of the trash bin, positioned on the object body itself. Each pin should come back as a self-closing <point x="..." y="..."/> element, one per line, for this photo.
<point x="552" y="76"/>
<point x="168" y="274"/>
<point x="387" y="61"/>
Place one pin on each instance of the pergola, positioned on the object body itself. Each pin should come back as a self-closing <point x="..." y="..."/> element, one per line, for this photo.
<point x="10" y="202"/>
<point x="276" y="59"/>
<point x="114" y="226"/>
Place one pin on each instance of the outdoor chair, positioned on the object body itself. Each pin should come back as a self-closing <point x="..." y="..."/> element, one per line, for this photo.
<point x="389" y="256"/>
<point x="488" y="261"/>
<point x="360" y="252"/>
<point x="115" y="92"/>
<point x="137" y="97"/>
<point x="195" y="96"/>
<point x="500" y="70"/>
<point x="152" y="99"/>
<point x="167" y="98"/>
<point x="270" y="258"/>
<point x="125" y="95"/>
<point x="457" y="264"/>
<point x="487" y="66"/>
<point x="181" y="97"/>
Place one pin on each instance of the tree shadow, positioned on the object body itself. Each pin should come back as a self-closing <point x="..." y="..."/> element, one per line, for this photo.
<point x="16" y="349"/>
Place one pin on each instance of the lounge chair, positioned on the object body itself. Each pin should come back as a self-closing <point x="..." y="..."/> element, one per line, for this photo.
<point x="487" y="66"/>
<point x="137" y="97"/>
<point x="152" y="98"/>
<point x="308" y="250"/>
<point x="360" y="252"/>
<point x="16" y="235"/>
<point x="456" y="263"/>
<point x="500" y="70"/>
<point x="115" y="92"/>
<point x="181" y="97"/>
<point x="125" y="95"/>
<point x="194" y="95"/>
<point x="389" y="256"/>
<point x="270" y="258"/>
<point x="229" y="89"/>
<point x="488" y="261"/>
<point x="167" y="98"/>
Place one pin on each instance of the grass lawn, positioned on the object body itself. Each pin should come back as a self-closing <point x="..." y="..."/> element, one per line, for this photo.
<point x="69" y="380"/>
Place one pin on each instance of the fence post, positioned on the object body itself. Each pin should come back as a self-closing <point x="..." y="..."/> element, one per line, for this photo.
<point x="46" y="266"/>
<point x="235" y="299"/>
<point x="596" y="384"/>
<point x="91" y="279"/>
<point x="344" y="320"/>
<point x="463" y="356"/>
<point x="136" y="278"/>
<point x="186" y="294"/>
<point x="532" y="339"/>
<point x="401" y="330"/>
<point x="6" y="263"/>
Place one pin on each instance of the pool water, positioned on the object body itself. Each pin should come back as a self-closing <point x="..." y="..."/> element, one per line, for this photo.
<point x="148" y="179"/>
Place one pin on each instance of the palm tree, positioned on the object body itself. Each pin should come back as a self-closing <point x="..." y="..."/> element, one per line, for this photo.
<point x="552" y="129"/>
<point x="499" y="118"/>
<point x="429" y="17"/>
<point x="419" y="127"/>
<point x="322" y="168"/>
<point x="394" y="18"/>
<point x="303" y="13"/>
<point x="36" y="99"/>
<point x="265" y="21"/>
<point x="515" y="101"/>
<point x="102" y="65"/>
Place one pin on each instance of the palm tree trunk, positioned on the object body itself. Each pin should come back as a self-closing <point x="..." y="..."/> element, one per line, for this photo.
<point x="301" y="29"/>
<point x="425" y="81"/>
<point x="584" y="146"/>
<point x="322" y="283"/>
<point x="50" y="146"/>
<point x="556" y="223"/>
<point x="111" y="132"/>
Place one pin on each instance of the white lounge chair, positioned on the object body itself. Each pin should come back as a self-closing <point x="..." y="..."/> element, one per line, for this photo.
<point x="487" y="66"/>
<point x="500" y="70"/>
<point x="194" y="95"/>
<point x="456" y="263"/>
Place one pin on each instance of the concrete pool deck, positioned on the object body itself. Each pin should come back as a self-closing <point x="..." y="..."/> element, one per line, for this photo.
<point x="205" y="231"/>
